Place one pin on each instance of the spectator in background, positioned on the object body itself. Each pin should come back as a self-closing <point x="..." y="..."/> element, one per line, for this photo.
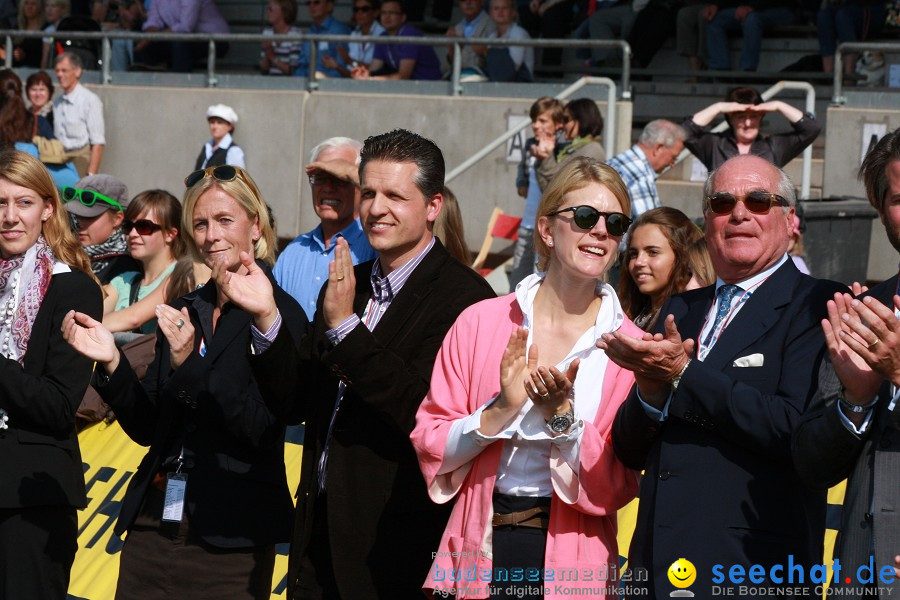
<point x="744" y="110"/>
<point x="840" y="21"/>
<point x="323" y="22"/>
<point x="302" y="268"/>
<point x="124" y="15"/>
<point x="399" y="61"/>
<point x="39" y="89"/>
<point x="448" y="228"/>
<point x="549" y="19"/>
<point x="97" y="205"/>
<point x="27" y="52"/>
<point x="280" y="58"/>
<point x="365" y="15"/>
<point x="54" y="12"/>
<point x="475" y="24"/>
<point x="18" y="126"/>
<point x="752" y="19"/>
<point x="660" y="144"/>
<point x="582" y="125"/>
<point x="690" y="32"/>
<point x="180" y="16"/>
<point x="546" y="123"/>
<point x="221" y="149"/>
<point x="152" y="225"/>
<point x="508" y="63"/>
<point x="78" y="117"/>
<point x="612" y="20"/>
<point x="657" y="263"/>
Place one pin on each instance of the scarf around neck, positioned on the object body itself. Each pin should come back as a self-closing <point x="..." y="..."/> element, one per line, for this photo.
<point x="24" y="280"/>
<point x="102" y="254"/>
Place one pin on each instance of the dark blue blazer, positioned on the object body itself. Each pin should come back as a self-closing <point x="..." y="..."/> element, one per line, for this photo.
<point x="719" y="486"/>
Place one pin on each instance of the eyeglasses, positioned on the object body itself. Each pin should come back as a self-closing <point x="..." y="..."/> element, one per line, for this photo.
<point x="586" y="218"/>
<point x="759" y="203"/>
<point x="220" y="173"/>
<point x="359" y="9"/>
<point x="323" y="179"/>
<point x="143" y="226"/>
<point x="87" y="197"/>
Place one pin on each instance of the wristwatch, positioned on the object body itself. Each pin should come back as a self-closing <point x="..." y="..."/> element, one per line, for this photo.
<point x="561" y="423"/>
<point x="678" y="377"/>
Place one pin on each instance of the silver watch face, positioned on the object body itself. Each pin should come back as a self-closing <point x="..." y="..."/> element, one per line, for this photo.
<point x="559" y="423"/>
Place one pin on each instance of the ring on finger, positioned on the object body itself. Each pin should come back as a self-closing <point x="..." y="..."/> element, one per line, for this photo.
<point x="180" y="323"/>
<point x="873" y="344"/>
<point x="544" y="395"/>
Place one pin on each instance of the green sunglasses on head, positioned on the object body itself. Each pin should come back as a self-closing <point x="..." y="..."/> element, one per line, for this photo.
<point x="87" y="197"/>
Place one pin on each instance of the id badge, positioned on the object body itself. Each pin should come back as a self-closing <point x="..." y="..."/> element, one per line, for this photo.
<point x="173" y="505"/>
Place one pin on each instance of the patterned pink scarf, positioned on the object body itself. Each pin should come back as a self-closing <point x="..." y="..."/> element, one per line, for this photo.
<point x="34" y="292"/>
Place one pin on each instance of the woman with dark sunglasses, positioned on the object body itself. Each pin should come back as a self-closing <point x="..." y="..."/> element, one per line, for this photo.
<point x="210" y="500"/>
<point x="152" y="225"/>
<point x="43" y="273"/>
<point x="518" y="416"/>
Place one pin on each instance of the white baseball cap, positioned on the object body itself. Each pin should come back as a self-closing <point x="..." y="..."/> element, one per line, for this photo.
<point x="222" y="111"/>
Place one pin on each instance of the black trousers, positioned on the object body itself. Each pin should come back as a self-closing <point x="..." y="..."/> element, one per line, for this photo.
<point x="37" y="549"/>
<point x="518" y="550"/>
<point x="317" y="577"/>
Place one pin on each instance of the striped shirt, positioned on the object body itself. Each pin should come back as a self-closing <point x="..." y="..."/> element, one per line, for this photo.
<point x="639" y="178"/>
<point x="286" y="52"/>
<point x="78" y="118"/>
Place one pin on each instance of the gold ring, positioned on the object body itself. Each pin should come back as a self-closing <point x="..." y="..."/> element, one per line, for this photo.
<point x="873" y="344"/>
<point x="340" y="278"/>
<point x="180" y="323"/>
<point x="544" y="395"/>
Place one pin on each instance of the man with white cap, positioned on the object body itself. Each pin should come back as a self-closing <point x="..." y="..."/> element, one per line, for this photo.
<point x="97" y="205"/>
<point x="221" y="149"/>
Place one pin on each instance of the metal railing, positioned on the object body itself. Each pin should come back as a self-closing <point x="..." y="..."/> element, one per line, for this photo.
<point x="806" y="171"/>
<point x="211" y="39"/>
<point x="609" y="139"/>
<point x="837" y="95"/>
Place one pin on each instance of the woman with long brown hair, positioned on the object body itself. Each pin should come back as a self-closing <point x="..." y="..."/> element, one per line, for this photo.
<point x="43" y="274"/>
<point x="657" y="263"/>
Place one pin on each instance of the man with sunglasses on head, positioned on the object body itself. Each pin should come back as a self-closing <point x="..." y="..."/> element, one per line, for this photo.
<point x="365" y="526"/>
<point x="97" y="206"/>
<point x="719" y="391"/>
<point x="302" y="268"/>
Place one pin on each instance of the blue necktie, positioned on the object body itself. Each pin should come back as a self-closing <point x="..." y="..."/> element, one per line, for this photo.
<point x="726" y="294"/>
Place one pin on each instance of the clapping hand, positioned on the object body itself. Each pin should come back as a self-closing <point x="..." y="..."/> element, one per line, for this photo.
<point x="251" y="291"/>
<point x="337" y="305"/>
<point x="550" y="390"/>
<point x="89" y="337"/>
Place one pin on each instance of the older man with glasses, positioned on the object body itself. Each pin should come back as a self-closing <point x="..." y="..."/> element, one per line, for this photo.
<point x="302" y="267"/>
<point x="719" y="392"/>
<point x="322" y="22"/>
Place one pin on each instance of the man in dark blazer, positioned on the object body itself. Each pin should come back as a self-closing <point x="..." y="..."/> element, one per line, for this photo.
<point x="718" y="395"/>
<point x="365" y="527"/>
<point x="853" y="429"/>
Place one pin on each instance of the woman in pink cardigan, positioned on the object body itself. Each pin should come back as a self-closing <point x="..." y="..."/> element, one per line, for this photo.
<point x="525" y="445"/>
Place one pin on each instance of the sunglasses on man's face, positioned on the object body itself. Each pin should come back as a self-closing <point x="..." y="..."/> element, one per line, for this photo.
<point x="586" y="217"/>
<point x="759" y="203"/>
<point x="87" y="197"/>
<point x="220" y="173"/>
<point x="142" y="226"/>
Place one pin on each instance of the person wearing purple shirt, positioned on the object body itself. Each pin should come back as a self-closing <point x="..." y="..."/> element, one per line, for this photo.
<point x="399" y="61"/>
<point x="180" y="16"/>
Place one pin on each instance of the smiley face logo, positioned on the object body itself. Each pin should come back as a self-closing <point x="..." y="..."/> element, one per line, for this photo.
<point x="682" y="573"/>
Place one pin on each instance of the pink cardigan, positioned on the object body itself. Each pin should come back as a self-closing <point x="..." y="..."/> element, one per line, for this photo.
<point x="582" y="530"/>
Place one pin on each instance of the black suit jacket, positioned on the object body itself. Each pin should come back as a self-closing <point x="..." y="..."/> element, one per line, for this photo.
<point x="40" y="462"/>
<point x="826" y="452"/>
<point x="382" y="526"/>
<point x="720" y="487"/>
<point x="237" y="494"/>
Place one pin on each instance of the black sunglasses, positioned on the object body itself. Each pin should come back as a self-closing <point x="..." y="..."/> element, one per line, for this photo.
<point x="143" y="226"/>
<point x="759" y="203"/>
<point x="220" y="173"/>
<point x="87" y="197"/>
<point x="587" y="216"/>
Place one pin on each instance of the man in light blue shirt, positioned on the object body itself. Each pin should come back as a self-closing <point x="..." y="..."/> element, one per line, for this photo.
<point x="302" y="268"/>
<point x="323" y="22"/>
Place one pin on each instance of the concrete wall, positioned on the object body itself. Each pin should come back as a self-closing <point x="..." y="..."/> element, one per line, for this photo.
<point x="844" y="144"/>
<point x="154" y="135"/>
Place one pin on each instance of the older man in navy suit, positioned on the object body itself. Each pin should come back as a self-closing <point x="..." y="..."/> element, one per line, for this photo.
<point x="717" y="398"/>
